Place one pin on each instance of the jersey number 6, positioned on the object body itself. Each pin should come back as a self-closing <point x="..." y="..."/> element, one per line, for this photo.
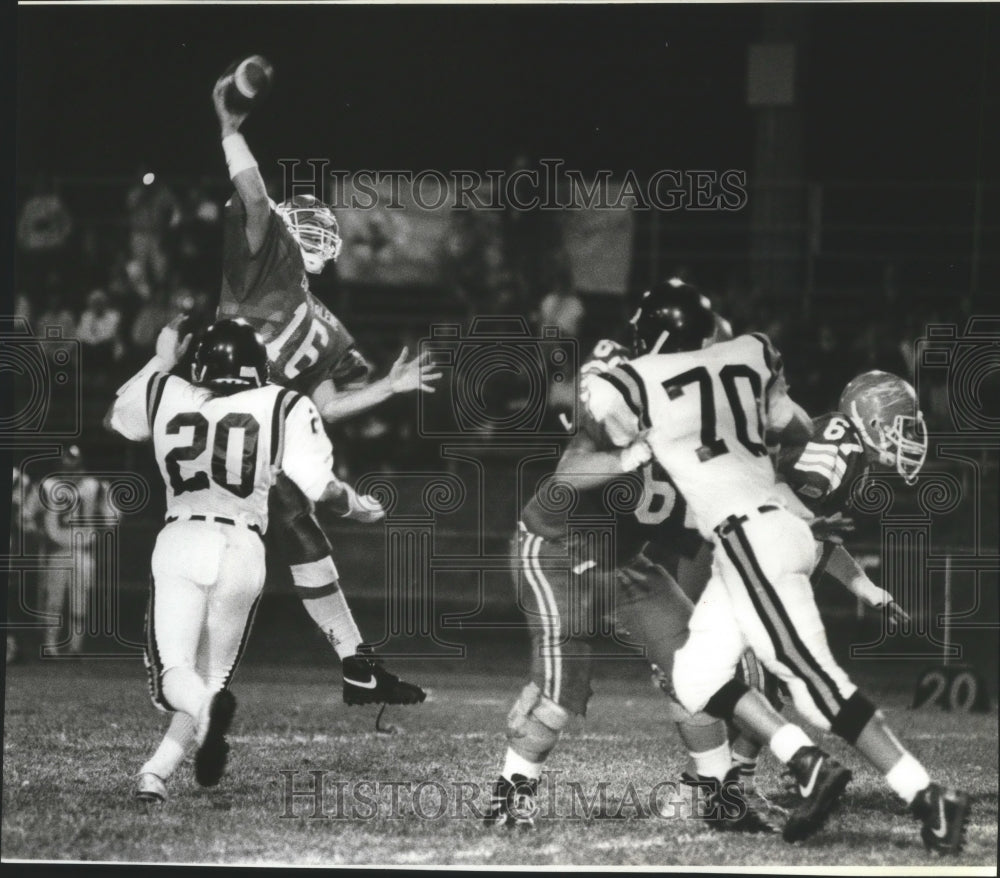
<point x="220" y="452"/>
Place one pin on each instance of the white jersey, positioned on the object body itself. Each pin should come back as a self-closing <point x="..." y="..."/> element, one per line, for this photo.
<point x="219" y="454"/>
<point x="707" y="412"/>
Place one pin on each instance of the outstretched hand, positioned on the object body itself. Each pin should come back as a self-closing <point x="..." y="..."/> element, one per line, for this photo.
<point x="417" y="374"/>
<point x="897" y="614"/>
<point x="364" y="508"/>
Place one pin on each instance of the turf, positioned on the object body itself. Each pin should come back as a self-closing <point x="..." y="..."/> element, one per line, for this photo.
<point x="75" y="733"/>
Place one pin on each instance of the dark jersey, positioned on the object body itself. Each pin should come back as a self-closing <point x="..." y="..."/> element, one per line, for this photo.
<point x="270" y="290"/>
<point x="823" y="471"/>
<point x="639" y="507"/>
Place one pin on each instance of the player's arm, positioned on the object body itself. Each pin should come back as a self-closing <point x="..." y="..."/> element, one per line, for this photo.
<point x="835" y="561"/>
<point x="610" y="441"/>
<point x="129" y="413"/>
<point x="243" y="170"/>
<point x="307" y="460"/>
<point x="404" y="377"/>
<point x="787" y="422"/>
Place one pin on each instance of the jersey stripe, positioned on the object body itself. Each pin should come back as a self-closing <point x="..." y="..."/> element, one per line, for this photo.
<point x="643" y="401"/>
<point x="154" y="393"/>
<point x="615" y="381"/>
<point x="278" y="424"/>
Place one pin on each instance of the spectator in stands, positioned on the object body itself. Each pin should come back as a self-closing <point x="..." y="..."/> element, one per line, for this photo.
<point x="45" y="224"/>
<point x="150" y="319"/>
<point x="56" y="313"/>
<point x="99" y="330"/>
<point x="22" y="306"/>
<point x="153" y="211"/>
<point x="198" y="238"/>
<point x="564" y="309"/>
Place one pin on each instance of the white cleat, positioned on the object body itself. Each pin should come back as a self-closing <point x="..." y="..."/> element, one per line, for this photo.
<point x="150" y="789"/>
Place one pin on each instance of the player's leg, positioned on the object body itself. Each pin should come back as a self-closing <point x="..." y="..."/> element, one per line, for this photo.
<point x="317" y="583"/>
<point x="821" y="690"/>
<point x="53" y="582"/>
<point x="654" y="611"/>
<point x="720" y="629"/>
<point x="166" y="759"/>
<point x="307" y="551"/>
<point x="226" y="630"/>
<point x="691" y="566"/>
<point x="183" y="556"/>
<point x="81" y="584"/>
<point x="559" y="687"/>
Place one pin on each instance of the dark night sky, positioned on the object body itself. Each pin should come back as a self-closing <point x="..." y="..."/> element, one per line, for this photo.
<point x="889" y="92"/>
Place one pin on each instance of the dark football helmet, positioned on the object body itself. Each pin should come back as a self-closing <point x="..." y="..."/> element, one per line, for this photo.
<point x="231" y="356"/>
<point x="672" y="316"/>
<point x="314" y="226"/>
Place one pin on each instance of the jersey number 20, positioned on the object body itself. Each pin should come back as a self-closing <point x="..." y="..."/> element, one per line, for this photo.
<point x="220" y="452"/>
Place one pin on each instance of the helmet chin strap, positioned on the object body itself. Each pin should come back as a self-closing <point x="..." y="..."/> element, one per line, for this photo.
<point x="660" y="342"/>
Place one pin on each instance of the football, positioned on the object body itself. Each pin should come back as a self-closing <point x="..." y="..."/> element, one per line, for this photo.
<point x="252" y="78"/>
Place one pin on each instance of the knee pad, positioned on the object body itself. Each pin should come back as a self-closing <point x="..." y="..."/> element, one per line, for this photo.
<point x="534" y="723"/>
<point x="852" y="718"/>
<point x="315" y="575"/>
<point x="722" y="704"/>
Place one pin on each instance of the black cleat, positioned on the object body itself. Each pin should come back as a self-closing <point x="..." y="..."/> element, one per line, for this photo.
<point x="724" y="806"/>
<point x="210" y="758"/>
<point x="820" y="781"/>
<point x="367" y="682"/>
<point x="944" y="813"/>
<point x="513" y="803"/>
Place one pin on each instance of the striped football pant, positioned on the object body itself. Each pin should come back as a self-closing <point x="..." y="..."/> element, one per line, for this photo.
<point x="759" y="596"/>
<point x="207" y="581"/>
<point x="567" y="598"/>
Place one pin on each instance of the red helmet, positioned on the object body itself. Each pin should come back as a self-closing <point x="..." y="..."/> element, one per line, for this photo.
<point x="314" y="226"/>
<point x="883" y="408"/>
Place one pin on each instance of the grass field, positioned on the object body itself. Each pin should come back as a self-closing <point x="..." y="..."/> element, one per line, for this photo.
<point x="75" y="733"/>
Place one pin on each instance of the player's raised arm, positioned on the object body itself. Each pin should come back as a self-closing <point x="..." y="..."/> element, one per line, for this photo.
<point x="128" y="414"/>
<point x="243" y="170"/>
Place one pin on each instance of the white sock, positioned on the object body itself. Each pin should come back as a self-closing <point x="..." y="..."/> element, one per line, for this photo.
<point x="786" y="742"/>
<point x="713" y="763"/>
<point x="334" y="618"/>
<point x="517" y="764"/>
<point x="170" y="753"/>
<point x="184" y="690"/>
<point x="907" y="778"/>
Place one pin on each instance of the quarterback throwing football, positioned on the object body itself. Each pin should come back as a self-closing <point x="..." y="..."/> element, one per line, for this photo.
<point x="269" y="251"/>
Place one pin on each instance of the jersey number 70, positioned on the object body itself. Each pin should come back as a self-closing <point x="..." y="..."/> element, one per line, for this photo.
<point x="220" y="452"/>
<point x="712" y="445"/>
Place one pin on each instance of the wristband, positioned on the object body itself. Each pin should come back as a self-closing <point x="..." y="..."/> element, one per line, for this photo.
<point x="238" y="155"/>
